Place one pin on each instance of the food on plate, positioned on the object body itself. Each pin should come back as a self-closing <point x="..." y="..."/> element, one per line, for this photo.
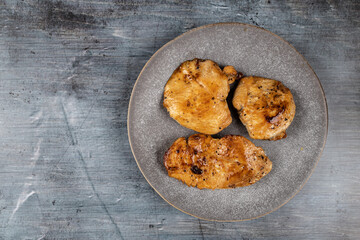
<point x="206" y="162"/>
<point x="265" y="106"/>
<point x="195" y="95"/>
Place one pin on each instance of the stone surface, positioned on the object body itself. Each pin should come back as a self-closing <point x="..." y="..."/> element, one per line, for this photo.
<point x="66" y="73"/>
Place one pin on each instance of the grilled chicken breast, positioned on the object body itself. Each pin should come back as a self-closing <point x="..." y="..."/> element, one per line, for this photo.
<point x="266" y="107"/>
<point x="206" y="162"/>
<point x="195" y="95"/>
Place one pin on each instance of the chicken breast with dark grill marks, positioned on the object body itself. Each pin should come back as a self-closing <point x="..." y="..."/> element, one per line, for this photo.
<point x="266" y="107"/>
<point x="195" y="95"/>
<point x="206" y="162"/>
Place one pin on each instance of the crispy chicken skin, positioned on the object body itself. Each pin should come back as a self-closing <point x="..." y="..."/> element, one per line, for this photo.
<point x="266" y="107"/>
<point x="206" y="162"/>
<point x="195" y="95"/>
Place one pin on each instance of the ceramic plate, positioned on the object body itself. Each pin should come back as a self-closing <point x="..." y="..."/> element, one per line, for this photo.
<point x="253" y="51"/>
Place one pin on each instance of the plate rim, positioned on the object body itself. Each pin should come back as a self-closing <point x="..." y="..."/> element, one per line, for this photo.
<point x="250" y="26"/>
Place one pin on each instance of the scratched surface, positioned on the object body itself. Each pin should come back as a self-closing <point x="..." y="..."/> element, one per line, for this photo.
<point x="66" y="73"/>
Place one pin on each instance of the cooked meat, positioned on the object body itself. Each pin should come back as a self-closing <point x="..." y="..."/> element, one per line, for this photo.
<point x="195" y="95"/>
<point x="266" y="107"/>
<point x="206" y="162"/>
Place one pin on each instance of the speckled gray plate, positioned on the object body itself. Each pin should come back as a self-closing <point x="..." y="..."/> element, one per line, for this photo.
<point x="253" y="51"/>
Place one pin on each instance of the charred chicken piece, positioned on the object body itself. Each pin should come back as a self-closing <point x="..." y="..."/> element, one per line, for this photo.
<point x="265" y="106"/>
<point x="195" y="95"/>
<point x="206" y="162"/>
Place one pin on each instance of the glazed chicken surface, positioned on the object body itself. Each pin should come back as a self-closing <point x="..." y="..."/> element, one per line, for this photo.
<point x="195" y="95"/>
<point x="265" y="106"/>
<point x="206" y="162"/>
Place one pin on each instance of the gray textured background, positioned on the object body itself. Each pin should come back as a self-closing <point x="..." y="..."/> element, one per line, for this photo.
<point x="66" y="73"/>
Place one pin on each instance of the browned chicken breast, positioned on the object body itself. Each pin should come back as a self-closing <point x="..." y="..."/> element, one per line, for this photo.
<point x="195" y="95"/>
<point x="206" y="162"/>
<point x="266" y="107"/>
